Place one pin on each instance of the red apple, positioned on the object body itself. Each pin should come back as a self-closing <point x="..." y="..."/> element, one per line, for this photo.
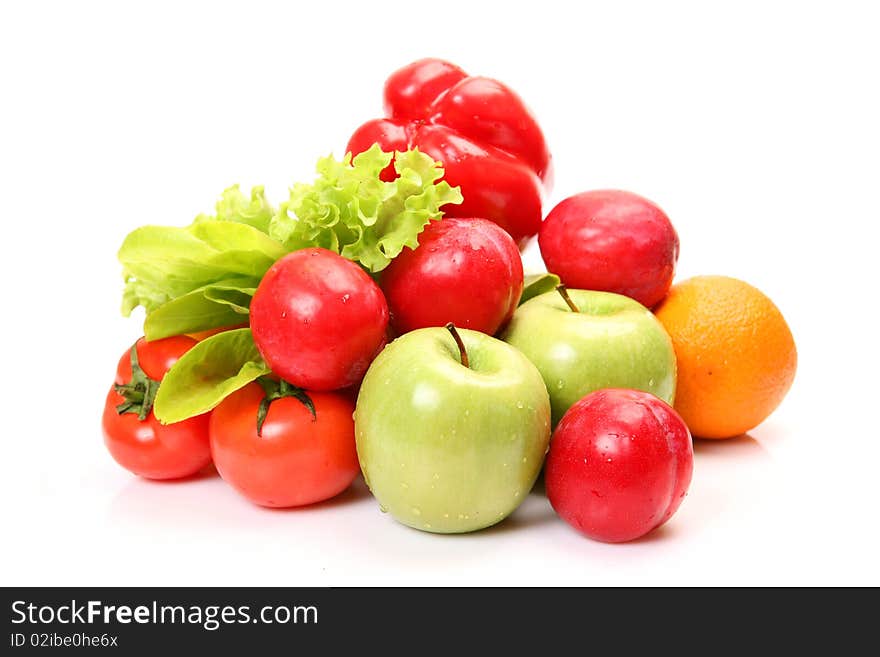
<point x="465" y="271"/>
<point x="620" y="464"/>
<point x="318" y="320"/>
<point x="612" y="241"/>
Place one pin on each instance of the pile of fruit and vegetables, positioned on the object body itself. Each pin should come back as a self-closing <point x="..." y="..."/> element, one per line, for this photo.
<point x="378" y="321"/>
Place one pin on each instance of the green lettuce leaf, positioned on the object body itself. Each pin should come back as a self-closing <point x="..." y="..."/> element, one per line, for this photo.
<point x="350" y="211"/>
<point x="207" y="374"/>
<point x="221" y="304"/>
<point x="204" y="275"/>
<point x="535" y="284"/>
<point x="162" y="263"/>
<point x="234" y="206"/>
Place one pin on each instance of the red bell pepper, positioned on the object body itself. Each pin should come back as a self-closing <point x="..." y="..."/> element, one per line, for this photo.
<point x="486" y="138"/>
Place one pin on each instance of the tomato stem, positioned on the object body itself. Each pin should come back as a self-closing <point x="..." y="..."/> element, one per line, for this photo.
<point x="461" y="350"/>
<point x="563" y="292"/>
<point x="278" y="389"/>
<point x="139" y="393"/>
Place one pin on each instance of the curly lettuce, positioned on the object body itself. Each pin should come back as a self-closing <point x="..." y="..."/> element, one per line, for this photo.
<point x="234" y="206"/>
<point x="351" y="211"/>
<point x="204" y="275"/>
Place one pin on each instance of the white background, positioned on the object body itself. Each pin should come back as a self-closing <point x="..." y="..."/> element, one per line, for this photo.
<point x="754" y="126"/>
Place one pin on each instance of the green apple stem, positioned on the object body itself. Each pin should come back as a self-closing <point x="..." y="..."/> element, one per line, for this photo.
<point x="461" y="350"/>
<point x="563" y="292"/>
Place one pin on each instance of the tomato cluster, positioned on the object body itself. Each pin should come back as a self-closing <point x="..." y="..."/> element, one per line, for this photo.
<point x="274" y="443"/>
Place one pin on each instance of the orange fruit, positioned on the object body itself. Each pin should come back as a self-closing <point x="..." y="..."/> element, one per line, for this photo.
<point x="736" y="355"/>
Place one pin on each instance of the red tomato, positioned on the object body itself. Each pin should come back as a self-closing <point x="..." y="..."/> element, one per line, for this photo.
<point x="318" y="319"/>
<point x="155" y="358"/>
<point x="147" y="447"/>
<point x="298" y="459"/>
<point x="613" y="241"/>
<point x="465" y="271"/>
<point x="620" y="464"/>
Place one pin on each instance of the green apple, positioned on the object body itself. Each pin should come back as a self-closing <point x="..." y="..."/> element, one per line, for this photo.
<point x="451" y="438"/>
<point x="603" y="340"/>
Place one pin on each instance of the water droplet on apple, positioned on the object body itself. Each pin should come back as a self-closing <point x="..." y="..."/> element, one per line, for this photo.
<point x="516" y="493"/>
<point x="445" y="515"/>
<point x="519" y="404"/>
<point x="609" y="460"/>
<point x="383" y="508"/>
<point x="405" y="485"/>
<point x="283" y="314"/>
<point x="525" y="459"/>
<point x="427" y="525"/>
<point x="345" y="298"/>
<point x="467" y="411"/>
<point x="387" y="381"/>
<point x="559" y="384"/>
<point x="416" y="511"/>
<point x="650" y="382"/>
<point x="436" y="476"/>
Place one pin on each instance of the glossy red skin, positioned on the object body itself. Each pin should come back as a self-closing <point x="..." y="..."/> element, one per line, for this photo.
<point x="465" y="271"/>
<point x="482" y="132"/>
<point x="148" y="448"/>
<point x="155" y="358"/>
<point x="318" y="319"/>
<point x="611" y="240"/>
<point x="410" y="91"/>
<point x="298" y="460"/>
<point x="619" y="466"/>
